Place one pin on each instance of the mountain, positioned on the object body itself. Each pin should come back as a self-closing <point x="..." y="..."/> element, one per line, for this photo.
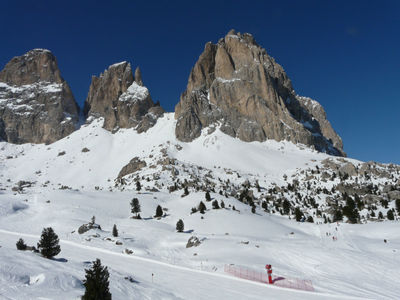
<point x="249" y="190"/>
<point x="122" y="99"/>
<point x="36" y="103"/>
<point x="236" y="86"/>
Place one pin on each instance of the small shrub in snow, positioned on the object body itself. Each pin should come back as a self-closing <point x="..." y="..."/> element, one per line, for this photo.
<point x="215" y="204"/>
<point x="202" y="207"/>
<point x="180" y="226"/>
<point x="21" y="245"/>
<point x="115" y="231"/>
<point x="138" y="185"/>
<point x="159" y="212"/>
<point x="208" y="197"/>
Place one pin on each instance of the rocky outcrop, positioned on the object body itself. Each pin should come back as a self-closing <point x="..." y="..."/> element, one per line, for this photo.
<point x="238" y="86"/>
<point x="133" y="166"/>
<point x="121" y="99"/>
<point x="36" y="103"/>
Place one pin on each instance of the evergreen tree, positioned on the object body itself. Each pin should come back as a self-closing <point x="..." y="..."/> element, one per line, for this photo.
<point x="310" y="219"/>
<point x="92" y="220"/>
<point x="180" y="226"/>
<point x="159" y="212"/>
<point x="48" y="244"/>
<point x="390" y="215"/>
<point x="21" y="244"/>
<point x="222" y="204"/>
<point x="208" y="197"/>
<point x="286" y="206"/>
<point x="338" y="216"/>
<point x="186" y="191"/>
<point x="398" y="206"/>
<point x="380" y="215"/>
<point x="215" y="204"/>
<point x="138" y="185"/>
<point x="96" y="283"/>
<point x="115" y="231"/>
<point x="298" y="213"/>
<point x="202" y="207"/>
<point x="350" y="210"/>
<point x="253" y="209"/>
<point x="135" y="206"/>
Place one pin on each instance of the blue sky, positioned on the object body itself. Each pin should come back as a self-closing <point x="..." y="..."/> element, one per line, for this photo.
<point x="345" y="54"/>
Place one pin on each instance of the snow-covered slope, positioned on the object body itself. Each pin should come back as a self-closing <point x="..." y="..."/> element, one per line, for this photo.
<point x="65" y="186"/>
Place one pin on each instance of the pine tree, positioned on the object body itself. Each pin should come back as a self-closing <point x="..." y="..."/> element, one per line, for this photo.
<point x="208" y="197"/>
<point x="222" y="204"/>
<point x="310" y="219"/>
<point x="115" y="231"/>
<point x="159" y="212"/>
<point x="92" y="220"/>
<point x="398" y="206"/>
<point x="135" y="206"/>
<point x="21" y="244"/>
<point x="390" y="215"/>
<point x="298" y="214"/>
<point x="138" y="185"/>
<point x="186" y="191"/>
<point x="215" y="204"/>
<point x="202" y="207"/>
<point x="180" y="226"/>
<point x="286" y="206"/>
<point x="338" y="216"/>
<point x="253" y="209"/>
<point x="48" y="244"/>
<point x="96" y="283"/>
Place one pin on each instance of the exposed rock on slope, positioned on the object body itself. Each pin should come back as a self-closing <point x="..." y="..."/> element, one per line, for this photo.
<point x="237" y="84"/>
<point x="36" y="103"/>
<point x="121" y="99"/>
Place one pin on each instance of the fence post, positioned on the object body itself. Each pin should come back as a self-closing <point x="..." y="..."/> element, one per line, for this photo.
<point x="269" y="271"/>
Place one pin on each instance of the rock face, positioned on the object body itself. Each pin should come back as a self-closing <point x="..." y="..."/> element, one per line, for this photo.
<point x="36" y="103"/>
<point x="134" y="165"/>
<point x="235" y="84"/>
<point x="121" y="99"/>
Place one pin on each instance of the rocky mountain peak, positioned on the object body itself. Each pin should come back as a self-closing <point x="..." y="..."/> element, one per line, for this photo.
<point x="138" y="76"/>
<point x="238" y="87"/>
<point x="36" y="103"/>
<point x="34" y="66"/>
<point x="121" y="99"/>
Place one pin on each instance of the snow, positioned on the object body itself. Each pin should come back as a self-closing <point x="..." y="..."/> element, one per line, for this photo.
<point x="135" y="92"/>
<point x="359" y="265"/>
<point x="118" y="64"/>
<point x="223" y="80"/>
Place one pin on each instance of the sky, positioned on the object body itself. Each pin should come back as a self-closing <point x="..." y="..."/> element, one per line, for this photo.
<point x="344" y="54"/>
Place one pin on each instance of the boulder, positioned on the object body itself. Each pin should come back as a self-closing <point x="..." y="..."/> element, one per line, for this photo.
<point x="348" y="169"/>
<point x="394" y="195"/>
<point x="193" y="242"/>
<point x="134" y="165"/>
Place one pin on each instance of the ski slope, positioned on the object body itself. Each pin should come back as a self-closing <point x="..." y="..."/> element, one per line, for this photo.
<point x="70" y="186"/>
